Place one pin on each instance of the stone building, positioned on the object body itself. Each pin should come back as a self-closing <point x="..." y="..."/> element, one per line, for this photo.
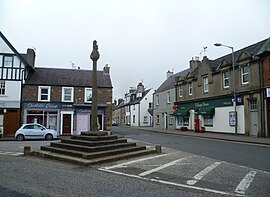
<point x="61" y="99"/>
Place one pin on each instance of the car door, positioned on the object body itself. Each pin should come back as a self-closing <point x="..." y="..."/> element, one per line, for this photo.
<point x="38" y="132"/>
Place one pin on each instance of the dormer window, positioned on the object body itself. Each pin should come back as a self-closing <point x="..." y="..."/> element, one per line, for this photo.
<point x="190" y="89"/>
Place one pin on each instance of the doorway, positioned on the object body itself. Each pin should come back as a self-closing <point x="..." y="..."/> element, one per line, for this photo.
<point x="254" y="118"/>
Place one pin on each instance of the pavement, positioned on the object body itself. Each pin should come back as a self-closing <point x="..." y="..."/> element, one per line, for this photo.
<point x="212" y="135"/>
<point x="209" y="135"/>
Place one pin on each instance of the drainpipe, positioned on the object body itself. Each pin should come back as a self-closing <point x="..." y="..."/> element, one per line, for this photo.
<point x="263" y="111"/>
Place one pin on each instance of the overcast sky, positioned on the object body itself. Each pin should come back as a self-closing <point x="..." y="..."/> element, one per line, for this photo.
<point x="140" y="39"/>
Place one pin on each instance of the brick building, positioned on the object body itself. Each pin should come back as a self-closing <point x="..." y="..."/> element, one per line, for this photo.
<point x="61" y="99"/>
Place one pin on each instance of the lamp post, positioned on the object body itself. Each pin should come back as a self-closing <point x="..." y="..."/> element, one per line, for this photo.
<point x="94" y="57"/>
<point x="234" y="92"/>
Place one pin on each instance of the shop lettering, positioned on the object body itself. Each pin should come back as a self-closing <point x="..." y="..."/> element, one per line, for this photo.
<point x="42" y="105"/>
<point x="203" y="104"/>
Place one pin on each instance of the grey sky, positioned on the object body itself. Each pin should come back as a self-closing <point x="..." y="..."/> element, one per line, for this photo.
<point x="139" y="39"/>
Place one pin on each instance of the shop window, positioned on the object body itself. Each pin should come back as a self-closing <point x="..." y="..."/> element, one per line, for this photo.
<point x="208" y="121"/>
<point x="44" y="93"/>
<point x="2" y="87"/>
<point x="67" y="94"/>
<point x="226" y="82"/>
<point x="183" y="121"/>
<point x="88" y="95"/>
<point x="245" y="75"/>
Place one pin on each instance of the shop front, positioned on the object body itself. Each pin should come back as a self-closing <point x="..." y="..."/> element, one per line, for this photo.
<point x="57" y="116"/>
<point x="216" y="115"/>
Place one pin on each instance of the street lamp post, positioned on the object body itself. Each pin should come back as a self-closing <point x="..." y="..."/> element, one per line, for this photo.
<point x="94" y="57"/>
<point x="234" y="91"/>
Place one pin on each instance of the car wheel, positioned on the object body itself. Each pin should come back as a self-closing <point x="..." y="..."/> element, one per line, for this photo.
<point x="20" y="137"/>
<point x="49" y="137"/>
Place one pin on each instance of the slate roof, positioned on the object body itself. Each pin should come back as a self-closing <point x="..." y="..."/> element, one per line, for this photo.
<point x="138" y="99"/>
<point x="170" y="82"/>
<point x="252" y="50"/>
<point x="265" y="48"/>
<point x="67" y="77"/>
<point x="20" y="56"/>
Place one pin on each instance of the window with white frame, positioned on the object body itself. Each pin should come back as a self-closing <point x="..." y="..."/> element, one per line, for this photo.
<point x="44" y="93"/>
<point x="67" y="94"/>
<point x="190" y="88"/>
<point x="157" y="99"/>
<point x="8" y="61"/>
<point x="171" y="120"/>
<point x="2" y="88"/>
<point x="180" y="91"/>
<point x="245" y="75"/>
<point x="145" y="119"/>
<point x="168" y="97"/>
<point x="205" y="84"/>
<point x="88" y="95"/>
<point x="226" y="82"/>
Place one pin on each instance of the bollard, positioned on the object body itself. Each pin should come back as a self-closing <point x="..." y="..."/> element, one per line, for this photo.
<point x="158" y="148"/>
<point x="27" y="150"/>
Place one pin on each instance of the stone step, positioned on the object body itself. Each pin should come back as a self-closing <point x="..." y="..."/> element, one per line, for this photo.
<point x="93" y="143"/>
<point x="81" y="154"/>
<point x="94" y="138"/>
<point x="91" y="149"/>
<point x="81" y="161"/>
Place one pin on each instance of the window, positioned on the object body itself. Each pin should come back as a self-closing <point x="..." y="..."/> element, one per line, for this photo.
<point x="88" y="95"/>
<point x="8" y="61"/>
<point x="150" y="105"/>
<point x="244" y="71"/>
<point x="253" y="105"/>
<point x="226" y="82"/>
<point x="157" y="118"/>
<point x="183" y="121"/>
<point x="208" y="121"/>
<point x="133" y="118"/>
<point x="190" y="88"/>
<point x="67" y="94"/>
<point x="157" y="100"/>
<point x="180" y="91"/>
<point x="171" y="120"/>
<point x="44" y="93"/>
<point x="168" y="97"/>
<point x="2" y="88"/>
<point x="205" y="84"/>
<point x="145" y="119"/>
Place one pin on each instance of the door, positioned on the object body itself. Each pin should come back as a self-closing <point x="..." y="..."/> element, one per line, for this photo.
<point x="165" y="122"/>
<point x="83" y="122"/>
<point x="66" y="124"/>
<point x="11" y="122"/>
<point x="253" y="123"/>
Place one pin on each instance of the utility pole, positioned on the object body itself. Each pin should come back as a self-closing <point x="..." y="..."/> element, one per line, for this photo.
<point x="94" y="57"/>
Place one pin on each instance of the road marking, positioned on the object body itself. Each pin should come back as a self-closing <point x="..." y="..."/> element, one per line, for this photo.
<point x="134" y="161"/>
<point x="163" y="166"/>
<point x="171" y="183"/>
<point x="10" y="153"/>
<point x="244" y="184"/>
<point x="201" y="174"/>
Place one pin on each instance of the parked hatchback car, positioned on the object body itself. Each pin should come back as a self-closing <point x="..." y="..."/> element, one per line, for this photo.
<point x="35" y="131"/>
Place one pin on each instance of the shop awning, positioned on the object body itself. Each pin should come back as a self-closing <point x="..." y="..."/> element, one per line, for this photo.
<point x="182" y="112"/>
<point x="210" y="111"/>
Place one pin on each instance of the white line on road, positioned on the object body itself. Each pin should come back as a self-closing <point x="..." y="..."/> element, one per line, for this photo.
<point x="204" y="172"/>
<point x="163" y="166"/>
<point x="171" y="183"/>
<point x="244" y="184"/>
<point x="135" y="161"/>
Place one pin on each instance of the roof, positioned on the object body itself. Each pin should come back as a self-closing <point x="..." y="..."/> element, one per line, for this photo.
<point x="67" y="77"/>
<point x="265" y="48"/>
<point x="169" y="83"/>
<point x="138" y="99"/>
<point x="15" y="51"/>
<point x="252" y="50"/>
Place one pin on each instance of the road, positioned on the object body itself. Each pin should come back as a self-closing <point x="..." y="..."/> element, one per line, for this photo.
<point x="249" y="155"/>
<point x="180" y="171"/>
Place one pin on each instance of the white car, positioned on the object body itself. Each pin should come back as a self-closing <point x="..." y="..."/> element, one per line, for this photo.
<point x="35" y="131"/>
